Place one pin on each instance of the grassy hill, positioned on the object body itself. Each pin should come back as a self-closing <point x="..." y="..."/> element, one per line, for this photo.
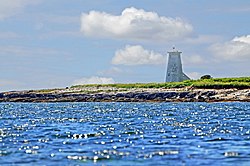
<point x="213" y="83"/>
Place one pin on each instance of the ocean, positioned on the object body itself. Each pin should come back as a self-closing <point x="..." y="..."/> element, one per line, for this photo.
<point x="125" y="133"/>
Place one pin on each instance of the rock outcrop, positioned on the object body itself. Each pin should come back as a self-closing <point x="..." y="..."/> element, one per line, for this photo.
<point x="125" y="95"/>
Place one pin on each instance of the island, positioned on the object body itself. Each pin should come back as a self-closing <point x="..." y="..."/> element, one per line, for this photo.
<point x="201" y="90"/>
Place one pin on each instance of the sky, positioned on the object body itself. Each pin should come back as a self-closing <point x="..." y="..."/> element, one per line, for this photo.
<point x="59" y="43"/>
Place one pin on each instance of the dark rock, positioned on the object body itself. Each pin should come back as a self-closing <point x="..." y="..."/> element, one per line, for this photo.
<point x="208" y="93"/>
<point x="191" y="95"/>
<point x="120" y="95"/>
<point x="99" y="96"/>
<point x="129" y="95"/>
<point x="161" y="95"/>
<point x="200" y="98"/>
<point x="12" y="95"/>
<point x="170" y="95"/>
<point x="174" y="96"/>
<point x="151" y="96"/>
<point x="183" y="94"/>
<point x="142" y="95"/>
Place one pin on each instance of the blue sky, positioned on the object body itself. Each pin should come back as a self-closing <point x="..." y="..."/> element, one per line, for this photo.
<point x="50" y="44"/>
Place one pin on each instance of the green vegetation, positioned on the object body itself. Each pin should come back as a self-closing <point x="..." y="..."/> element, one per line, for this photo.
<point x="46" y="90"/>
<point x="95" y="91"/>
<point x="213" y="83"/>
<point x="206" y="77"/>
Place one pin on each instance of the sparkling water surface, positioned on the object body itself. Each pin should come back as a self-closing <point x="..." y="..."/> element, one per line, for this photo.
<point x="125" y="133"/>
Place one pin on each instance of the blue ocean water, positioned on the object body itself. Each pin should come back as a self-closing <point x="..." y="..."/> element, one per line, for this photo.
<point x="125" y="133"/>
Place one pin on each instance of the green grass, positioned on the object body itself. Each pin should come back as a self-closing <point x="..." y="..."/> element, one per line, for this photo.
<point x="46" y="90"/>
<point x="95" y="91"/>
<point x="223" y="83"/>
<point x="214" y="83"/>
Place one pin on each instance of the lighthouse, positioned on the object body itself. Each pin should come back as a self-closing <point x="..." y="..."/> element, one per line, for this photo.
<point x="174" y="68"/>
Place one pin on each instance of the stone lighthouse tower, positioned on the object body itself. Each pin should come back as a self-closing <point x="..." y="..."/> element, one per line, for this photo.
<point x="174" y="69"/>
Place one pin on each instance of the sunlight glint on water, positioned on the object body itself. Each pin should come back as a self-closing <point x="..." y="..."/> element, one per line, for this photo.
<point x="125" y="133"/>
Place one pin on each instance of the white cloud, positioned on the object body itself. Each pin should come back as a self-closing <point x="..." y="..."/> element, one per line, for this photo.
<point x="9" y="8"/>
<point x="237" y="49"/>
<point x="137" y="55"/>
<point x="94" y="80"/>
<point x="134" y="24"/>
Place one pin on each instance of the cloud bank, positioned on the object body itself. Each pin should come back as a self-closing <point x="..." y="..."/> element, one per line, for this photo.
<point x="134" y="24"/>
<point x="94" y="80"/>
<point x="236" y="49"/>
<point x="137" y="55"/>
<point x="9" y="8"/>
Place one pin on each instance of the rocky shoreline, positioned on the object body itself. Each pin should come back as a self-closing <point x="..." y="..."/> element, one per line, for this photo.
<point x="109" y="94"/>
